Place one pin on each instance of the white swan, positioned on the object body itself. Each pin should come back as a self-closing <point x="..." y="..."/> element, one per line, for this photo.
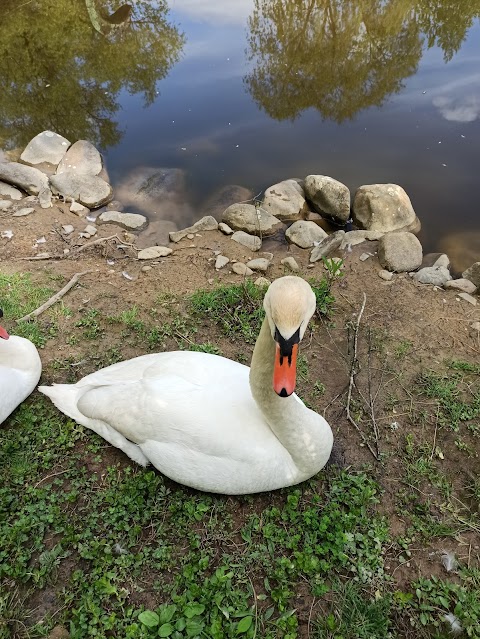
<point x="200" y="420"/>
<point x="20" y="369"/>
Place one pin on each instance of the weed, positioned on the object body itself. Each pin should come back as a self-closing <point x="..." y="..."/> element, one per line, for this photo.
<point x="90" y="323"/>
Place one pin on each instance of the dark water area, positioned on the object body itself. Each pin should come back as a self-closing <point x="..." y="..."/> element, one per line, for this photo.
<point x="252" y="92"/>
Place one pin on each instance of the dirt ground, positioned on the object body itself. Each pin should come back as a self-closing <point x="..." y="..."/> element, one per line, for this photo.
<point x="406" y="328"/>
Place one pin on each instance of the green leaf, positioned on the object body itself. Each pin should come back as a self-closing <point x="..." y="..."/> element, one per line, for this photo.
<point x="244" y="624"/>
<point x="194" y="627"/>
<point x="166" y="612"/>
<point x="149" y="618"/>
<point x="181" y="623"/>
<point x="165" y="630"/>
<point x="192" y="609"/>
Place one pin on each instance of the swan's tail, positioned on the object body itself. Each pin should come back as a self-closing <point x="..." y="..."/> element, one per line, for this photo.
<point x="65" y="397"/>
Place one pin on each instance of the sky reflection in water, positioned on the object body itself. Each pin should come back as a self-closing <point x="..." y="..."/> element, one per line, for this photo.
<point x="256" y="92"/>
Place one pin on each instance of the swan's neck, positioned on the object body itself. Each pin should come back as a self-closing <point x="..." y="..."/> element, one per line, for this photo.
<point x="305" y="434"/>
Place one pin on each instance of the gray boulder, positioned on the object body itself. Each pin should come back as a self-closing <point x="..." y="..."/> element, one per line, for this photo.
<point x="129" y="221"/>
<point x="399" y="252"/>
<point x="89" y="190"/>
<point x="473" y="274"/>
<point x="466" y="286"/>
<point x="357" y="237"/>
<point x="207" y="223"/>
<point x="305" y="234"/>
<point x="327" y="246"/>
<point x="81" y="157"/>
<point x="259" y="264"/>
<point x="385" y="208"/>
<point x="6" y="190"/>
<point x="328" y="196"/>
<point x="286" y="201"/>
<point x="27" y="178"/>
<point x="436" y="275"/>
<point x="47" y="147"/>
<point x="223" y="198"/>
<point x="248" y="218"/>
<point x="251" y="242"/>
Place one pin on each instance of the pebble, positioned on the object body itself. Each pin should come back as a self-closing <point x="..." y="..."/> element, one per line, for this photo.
<point x="5" y="204"/>
<point x="461" y="285"/>
<point x="78" y="209"/>
<point x="221" y="261"/>
<point x="241" y="269"/>
<point x="365" y="256"/>
<point x="291" y="263"/>
<point x="385" y="275"/>
<point x="468" y="298"/>
<point x="259" y="264"/>
<point x="153" y="252"/>
<point x="146" y="268"/>
<point x="262" y="281"/>
<point x="225" y="229"/>
<point x="67" y="229"/>
<point x="475" y="326"/>
<point x="91" y="230"/>
<point x="191" y="236"/>
<point x="22" y="212"/>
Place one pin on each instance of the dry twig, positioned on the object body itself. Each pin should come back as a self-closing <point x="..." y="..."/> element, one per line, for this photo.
<point x="53" y="299"/>
<point x="353" y="372"/>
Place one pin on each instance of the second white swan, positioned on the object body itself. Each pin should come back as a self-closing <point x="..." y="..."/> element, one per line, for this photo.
<point x="209" y="422"/>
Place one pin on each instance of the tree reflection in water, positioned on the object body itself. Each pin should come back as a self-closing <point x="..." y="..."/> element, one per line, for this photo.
<point x="63" y="64"/>
<point x="340" y="57"/>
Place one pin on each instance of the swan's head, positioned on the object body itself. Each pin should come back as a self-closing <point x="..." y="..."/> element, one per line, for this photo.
<point x="3" y="332"/>
<point x="289" y="304"/>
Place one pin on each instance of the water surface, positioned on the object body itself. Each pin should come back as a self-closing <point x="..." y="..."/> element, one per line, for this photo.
<point x="251" y="92"/>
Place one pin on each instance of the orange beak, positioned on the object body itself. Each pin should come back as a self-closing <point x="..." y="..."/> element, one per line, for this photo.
<point x="285" y="371"/>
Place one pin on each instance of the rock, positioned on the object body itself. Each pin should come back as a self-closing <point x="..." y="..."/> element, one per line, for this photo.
<point x="223" y="198"/>
<point x="241" y="269"/>
<point x="473" y="274"/>
<point x="129" y="221"/>
<point x="262" y="281"/>
<point x="207" y="223"/>
<point x="225" y="229"/>
<point x="154" y="252"/>
<point x="475" y="326"/>
<point x="78" y="209"/>
<point x="45" y="198"/>
<point x="248" y="218"/>
<point x="47" y="147"/>
<point x="221" y="261"/>
<point x="435" y="259"/>
<point x="6" y="190"/>
<point x="146" y="268"/>
<point x="158" y="192"/>
<point x="27" y="178"/>
<point x="91" y="230"/>
<point x="252" y="242"/>
<point x="67" y="229"/>
<point x="384" y="207"/>
<point x="89" y="190"/>
<point x="461" y="285"/>
<point x="305" y="234"/>
<point x="365" y="256"/>
<point x="5" y="205"/>
<point x="81" y="157"/>
<point x="468" y="298"/>
<point x="399" y="252"/>
<point x="327" y="246"/>
<point x="385" y="275"/>
<point x="23" y="212"/>
<point x="259" y="264"/>
<point x="353" y="238"/>
<point x="433" y="275"/>
<point x="285" y="201"/>
<point x="328" y="196"/>
<point x="291" y="263"/>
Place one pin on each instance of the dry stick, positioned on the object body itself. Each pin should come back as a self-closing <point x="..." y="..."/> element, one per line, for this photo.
<point x="352" y="381"/>
<point x="371" y="399"/>
<point x="54" y="298"/>
<point x="93" y="243"/>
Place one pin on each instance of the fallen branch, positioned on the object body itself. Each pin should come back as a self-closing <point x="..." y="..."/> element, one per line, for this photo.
<point x="100" y="240"/>
<point x="53" y="299"/>
<point x="351" y="384"/>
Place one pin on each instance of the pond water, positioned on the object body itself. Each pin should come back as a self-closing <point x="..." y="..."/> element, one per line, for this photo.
<point x="252" y="92"/>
